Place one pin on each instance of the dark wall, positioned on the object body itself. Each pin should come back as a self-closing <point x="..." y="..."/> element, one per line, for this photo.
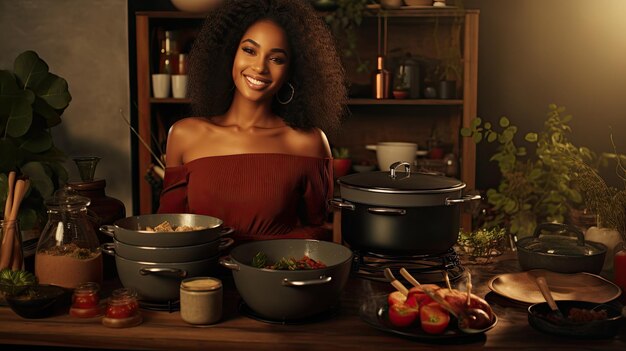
<point x="568" y="52"/>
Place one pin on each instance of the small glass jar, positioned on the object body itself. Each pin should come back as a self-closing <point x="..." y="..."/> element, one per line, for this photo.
<point x="122" y="309"/>
<point x="201" y="300"/>
<point x="86" y="301"/>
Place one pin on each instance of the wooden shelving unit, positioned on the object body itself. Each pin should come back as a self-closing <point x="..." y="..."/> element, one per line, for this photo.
<point x="459" y="111"/>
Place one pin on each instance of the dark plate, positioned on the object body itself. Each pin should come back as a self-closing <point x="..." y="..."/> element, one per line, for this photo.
<point x="598" y="329"/>
<point x="374" y="312"/>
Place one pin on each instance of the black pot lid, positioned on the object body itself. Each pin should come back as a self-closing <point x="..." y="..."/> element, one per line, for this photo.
<point x="560" y="246"/>
<point x="403" y="182"/>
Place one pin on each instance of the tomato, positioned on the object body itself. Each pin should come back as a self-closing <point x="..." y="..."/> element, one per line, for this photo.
<point x="85" y="300"/>
<point x="402" y="315"/>
<point x="417" y="297"/>
<point x="434" y="318"/>
<point x="396" y="297"/>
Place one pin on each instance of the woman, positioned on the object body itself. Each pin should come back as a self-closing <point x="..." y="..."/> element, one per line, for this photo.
<point x="265" y="79"/>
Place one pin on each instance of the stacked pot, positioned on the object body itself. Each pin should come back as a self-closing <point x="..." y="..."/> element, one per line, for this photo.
<point x="154" y="263"/>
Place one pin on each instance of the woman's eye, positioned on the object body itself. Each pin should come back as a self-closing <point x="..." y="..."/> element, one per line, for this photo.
<point x="278" y="60"/>
<point x="248" y="50"/>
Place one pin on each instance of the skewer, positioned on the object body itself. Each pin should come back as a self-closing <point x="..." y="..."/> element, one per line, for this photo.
<point x="447" y="279"/>
<point x="395" y="282"/>
<point x="469" y="288"/>
<point x="409" y="277"/>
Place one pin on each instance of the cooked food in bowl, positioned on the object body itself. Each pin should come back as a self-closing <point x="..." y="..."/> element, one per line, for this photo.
<point x="291" y="264"/>
<point x="290" y="294"/>
<point x="165" y="226"/>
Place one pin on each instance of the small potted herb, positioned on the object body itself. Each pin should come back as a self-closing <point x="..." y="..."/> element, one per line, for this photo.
<point x="341" y="162"/>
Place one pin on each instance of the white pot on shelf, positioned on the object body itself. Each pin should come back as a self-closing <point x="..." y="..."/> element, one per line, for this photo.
<point x="195" y="6"/>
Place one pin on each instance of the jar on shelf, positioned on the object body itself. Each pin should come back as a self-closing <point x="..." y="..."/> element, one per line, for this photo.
<point x="86" y="301"/>
<point x="168" y="55"/>
<point x="122" y="309"/>
<point x="68" y="252"/>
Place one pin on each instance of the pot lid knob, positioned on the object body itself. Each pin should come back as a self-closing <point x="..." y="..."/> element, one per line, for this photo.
<point x="393" y="166"/>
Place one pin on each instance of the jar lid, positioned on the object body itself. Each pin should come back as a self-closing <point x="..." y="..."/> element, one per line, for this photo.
<point x="201" y="284"/>
<point x="66" y="198"/>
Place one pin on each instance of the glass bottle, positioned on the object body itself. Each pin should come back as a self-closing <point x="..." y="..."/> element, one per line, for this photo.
<point x="68" y="252"/>
<point x="381" y="79"/>
<point x="619" y="268"/>
<point x="168" y="57"/>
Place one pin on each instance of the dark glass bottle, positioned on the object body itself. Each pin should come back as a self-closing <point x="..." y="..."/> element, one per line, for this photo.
<point x="381" y="80"/>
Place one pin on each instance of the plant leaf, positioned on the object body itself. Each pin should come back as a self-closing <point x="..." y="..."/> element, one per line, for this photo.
<point x="491" y="137"/>
<point x="30" y="69"/>
<point x="478" y="137"/>
<point x="39" y="178"/>
<point x="466" y="132"/>
<point x="41" y="107"/>
<point x="53" y="89"/>
<point x="504" y="122"/>
<point x="476" y="122"/>
<point x="37" y="142"/>
<point x="531" y="137"/>
<point x="8" y="155"/>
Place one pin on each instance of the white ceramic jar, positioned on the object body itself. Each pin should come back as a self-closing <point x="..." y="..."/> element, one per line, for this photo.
<point x="201" y="300"/>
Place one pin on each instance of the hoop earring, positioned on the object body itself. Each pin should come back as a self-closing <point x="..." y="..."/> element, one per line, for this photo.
<point x="293" y="91"/>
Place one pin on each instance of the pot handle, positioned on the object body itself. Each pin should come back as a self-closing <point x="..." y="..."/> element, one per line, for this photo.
<point x="463" y="199"/>
<point x="393" y="166"/>
<point x="339" y="204"/>
<point x="321" y="280"/>
<point x="159" y="270"/>
<point x="225" y="243"/>
<point x="560" y="228"/>
<point x="108" y="248"/>
<point x="228" y="263"/>
<point x="223" y="231"/>
<point x="108" y="230"/>
<point x="387" y="211"/>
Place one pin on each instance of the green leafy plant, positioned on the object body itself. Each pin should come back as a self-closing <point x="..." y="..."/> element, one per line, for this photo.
<point x="340" y="152"/>
<point x="534" y="187"/>
<point x="15" y="282"/>
<point x="344" y="22"/>
<point x="32" y="101"/>
<point x="483" y="242"/>
<point x="450" y="64"/>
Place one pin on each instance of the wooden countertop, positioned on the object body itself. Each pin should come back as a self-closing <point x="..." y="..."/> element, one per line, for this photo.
<point x="343" y="330"/>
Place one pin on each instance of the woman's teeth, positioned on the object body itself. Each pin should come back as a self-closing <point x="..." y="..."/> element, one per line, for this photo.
<point x="256" y="82"/>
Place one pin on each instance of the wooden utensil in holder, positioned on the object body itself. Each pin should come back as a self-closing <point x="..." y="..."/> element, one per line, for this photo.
<point x="11" y="254"/>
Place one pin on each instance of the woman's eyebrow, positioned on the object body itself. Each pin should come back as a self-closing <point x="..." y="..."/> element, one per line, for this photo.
<point x="257" y="45"/>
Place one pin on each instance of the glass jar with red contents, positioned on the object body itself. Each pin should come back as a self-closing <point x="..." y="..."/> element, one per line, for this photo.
<point x="619" y="268"/>
<point x="122" y="309"/>
<point x="86" y="301"/>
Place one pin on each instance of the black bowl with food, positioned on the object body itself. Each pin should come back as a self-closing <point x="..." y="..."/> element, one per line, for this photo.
<point x="584" y="320"/>
<point x="298" y="278"/>
<point x="40" y="301"/>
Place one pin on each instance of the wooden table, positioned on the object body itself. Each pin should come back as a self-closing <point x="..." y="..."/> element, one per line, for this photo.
<point x="343" y="330"/>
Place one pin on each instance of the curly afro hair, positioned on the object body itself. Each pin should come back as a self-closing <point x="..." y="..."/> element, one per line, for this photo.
<point x="316" y="72"/>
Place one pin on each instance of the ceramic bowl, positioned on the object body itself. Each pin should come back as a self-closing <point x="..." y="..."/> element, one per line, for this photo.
<point x="47" y="300"/>
<point x="596" y="329"/>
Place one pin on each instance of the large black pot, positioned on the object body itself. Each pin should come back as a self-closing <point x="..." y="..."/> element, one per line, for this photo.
<point x="290" y="295"/>
<point x="400" y="212"/>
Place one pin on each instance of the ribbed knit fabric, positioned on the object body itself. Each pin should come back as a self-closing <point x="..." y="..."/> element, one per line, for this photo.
<point x="261" y="196"/>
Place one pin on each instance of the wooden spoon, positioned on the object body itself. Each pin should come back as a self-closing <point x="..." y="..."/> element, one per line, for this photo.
<point x="545" y="291"/>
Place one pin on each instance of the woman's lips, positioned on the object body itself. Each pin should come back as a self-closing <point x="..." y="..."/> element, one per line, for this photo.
<point x="255" y="83"/>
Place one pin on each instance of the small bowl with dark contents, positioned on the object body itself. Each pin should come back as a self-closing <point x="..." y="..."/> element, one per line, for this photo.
<point x="584" y="320"/>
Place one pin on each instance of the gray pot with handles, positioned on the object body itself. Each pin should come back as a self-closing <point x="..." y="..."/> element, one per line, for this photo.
<point x="167" y="254"/>
<point x="132" y="230"/>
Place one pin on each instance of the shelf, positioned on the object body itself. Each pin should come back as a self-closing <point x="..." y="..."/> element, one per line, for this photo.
<point x="170" y="101"/>
<point x="169" y="14"/>
<point x="405" y="102"/>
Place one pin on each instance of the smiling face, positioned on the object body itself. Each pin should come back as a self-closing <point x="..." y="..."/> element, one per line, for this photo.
<point x="262" y="61"/>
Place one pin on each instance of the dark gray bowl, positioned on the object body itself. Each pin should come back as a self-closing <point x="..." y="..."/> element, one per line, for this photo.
<point x="132" y="230"/>
<point x="598" y="329"/>
<point x="46" y="301"/>
<point x="290" y="295"/>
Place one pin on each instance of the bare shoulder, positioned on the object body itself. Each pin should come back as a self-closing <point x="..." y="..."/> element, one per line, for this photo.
<point x="311" y="143"/>
<point x="182" y="135"/>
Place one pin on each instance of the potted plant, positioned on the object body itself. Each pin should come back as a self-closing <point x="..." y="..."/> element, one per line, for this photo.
<point x="32" y="101"/>
<point x="534" y="187"/>
<point x="341" y="162"/>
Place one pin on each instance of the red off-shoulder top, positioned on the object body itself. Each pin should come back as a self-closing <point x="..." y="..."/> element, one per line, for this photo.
<point x="261" y="196"/>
